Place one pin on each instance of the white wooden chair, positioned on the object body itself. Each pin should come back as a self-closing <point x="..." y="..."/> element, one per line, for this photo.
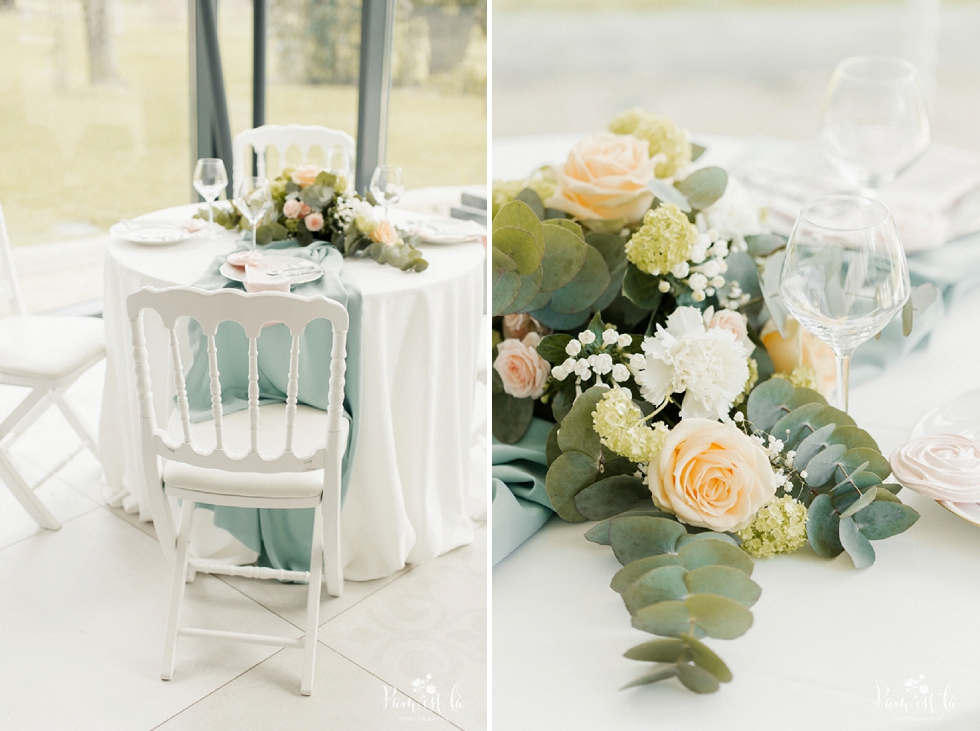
<point x="282" y="137"/>
<point x="274" y="456"/>
<point x="47" y="354"/>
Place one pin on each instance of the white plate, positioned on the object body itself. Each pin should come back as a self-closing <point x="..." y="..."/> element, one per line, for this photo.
<point x="273" y="262"/>
<point x="959" y="416"/>
<point x="150" y="233"/>
<point x="432" y="230"/>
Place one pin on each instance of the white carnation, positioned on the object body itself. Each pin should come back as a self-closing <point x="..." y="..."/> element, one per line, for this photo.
<point x="709" y="366"/>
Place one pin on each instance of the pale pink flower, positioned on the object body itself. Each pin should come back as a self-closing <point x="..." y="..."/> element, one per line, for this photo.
<point x="293" y="209"/>
<point x="314" y="221"/>
<point x="522" y="371"/>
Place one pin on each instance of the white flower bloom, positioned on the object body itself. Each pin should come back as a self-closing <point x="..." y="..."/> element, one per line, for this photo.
<point x="603" y="364"/>
<point x="709" y="366"/>
<point x="637" y="360"/>
<point x="698" y="295"/>
<point x="609" y="337"/>
<point x="587" y="337"/>
<point x="711" y="269"/>
<point x="624" y="340"/>
<point x="582" y="369"/>
<point x="560" y="372"/>
<point x="697" y="281"/>
<point x="681" y="270"/>
<point x="735" y="215"/>
<point x="573" y="348"/>
<point x="718" y="281"/>
<point x="569" y="364"/>
<point x="620" y="373"/>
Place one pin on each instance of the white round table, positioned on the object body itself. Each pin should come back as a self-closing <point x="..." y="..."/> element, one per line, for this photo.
<point x="412" y="494"/>
<point x="831" y="647"/>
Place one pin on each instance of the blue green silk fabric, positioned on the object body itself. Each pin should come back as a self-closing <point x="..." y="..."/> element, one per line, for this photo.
<point x="282" y="538"/>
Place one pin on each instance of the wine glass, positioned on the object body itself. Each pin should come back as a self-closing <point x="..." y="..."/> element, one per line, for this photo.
<point x="875" y="122"/>
<point x="845" y="275"/>
<point x="386" y="185"/>
<point x="254" y="200"/>
<point x="210" y="178"/>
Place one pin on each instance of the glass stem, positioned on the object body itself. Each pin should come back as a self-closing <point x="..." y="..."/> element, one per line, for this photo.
<point x="843" y="374"/>
<point x="255" y="234"/>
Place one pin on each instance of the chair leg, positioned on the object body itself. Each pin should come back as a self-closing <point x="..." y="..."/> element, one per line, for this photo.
<point x="333" y="567"/>
<point x="25" y="495"/>
<point x="76" y="422"/>
<point x="313" y="604"/>
<point x="177" y="589"/>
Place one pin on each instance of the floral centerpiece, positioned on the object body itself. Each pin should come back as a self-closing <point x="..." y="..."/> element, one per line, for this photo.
<point x="637" y="307"/>
<point x="311" y="204"/>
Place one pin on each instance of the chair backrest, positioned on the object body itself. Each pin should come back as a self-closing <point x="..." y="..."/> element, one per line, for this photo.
<point x="9" y="286"/>
<point x="282" y="137"/>
<point x="252" y="312"/>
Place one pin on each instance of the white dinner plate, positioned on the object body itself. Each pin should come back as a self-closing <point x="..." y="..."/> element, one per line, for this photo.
<point x="273" y="262"/>
<point x="150" y="233"/>
<point x="959" y="416"/>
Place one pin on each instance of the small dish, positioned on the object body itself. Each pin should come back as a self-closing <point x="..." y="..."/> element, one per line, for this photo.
<point x="959" y="416"/>
<point x="274" y="262"/>
<point x="150" y="233"/>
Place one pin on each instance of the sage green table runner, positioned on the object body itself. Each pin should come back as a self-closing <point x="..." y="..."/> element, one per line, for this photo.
<point x="280" y="537"/>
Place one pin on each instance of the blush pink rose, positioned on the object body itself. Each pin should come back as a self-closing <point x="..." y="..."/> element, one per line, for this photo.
<point x="522" y="371"/>
<point x="305" y="174"/>
<point x="800" y="348"/>
<point x="711" y="475"/>
<point x="293" y="209"/>
<point x="384" y="233"/>
<point x="734" y="322"/>
<point x="606" y="177"/>
<point x="314" y="221"/>
<point x="517" y="326"/>
<point x="304" y="210"/>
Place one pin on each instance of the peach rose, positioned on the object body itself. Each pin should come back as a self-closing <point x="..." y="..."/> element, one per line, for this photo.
<point x="384" y="233"/>
<point x="314" y="221"/>
<point x="305" y="174"/>
<point x="801" y="348"/>
<point x="293" y="209"/>
<point x="605" y="177"/>
<point x="521" y="369"/>
<point x="517" y="326"/>
<point x="711" y="475"/>
<point x="304" y="210"/>
<point x="734" y="322"/>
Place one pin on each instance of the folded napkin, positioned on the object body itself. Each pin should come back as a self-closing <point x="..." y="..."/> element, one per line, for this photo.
<point x="257" y="279"/>
<point x="935" y="200"/>
<point x="940" y="466"/>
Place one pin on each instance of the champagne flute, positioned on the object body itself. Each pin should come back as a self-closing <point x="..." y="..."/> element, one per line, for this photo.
<point x="210" y="178"/>
<point x="845" y="275"/>
<point x="254" y="200"/>
<point x="875" y="122"/>
<point x="386" y="185"/>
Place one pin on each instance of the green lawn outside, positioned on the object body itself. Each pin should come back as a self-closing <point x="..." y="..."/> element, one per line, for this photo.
<point x="599" y="6"/>
<point x="76" y="154"/>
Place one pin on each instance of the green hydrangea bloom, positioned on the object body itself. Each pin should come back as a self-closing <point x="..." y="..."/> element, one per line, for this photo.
<point x="542" y="182"/>
<point x="750" y="383"/>
<point x="663" y="241"/>
<point x="779" y="527"/>
<point x="801" y="376"/>
<point x="661" y="134"/>
<point x="619" y="424"/>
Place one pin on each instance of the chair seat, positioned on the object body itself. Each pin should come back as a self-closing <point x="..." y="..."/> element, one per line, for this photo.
<point x="309" y="432"/>
<point x="38" y="346"/>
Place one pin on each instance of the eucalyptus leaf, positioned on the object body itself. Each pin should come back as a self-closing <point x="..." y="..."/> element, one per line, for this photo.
<point x="633" y="537"/>
<point x="823" y="527"/>
<point x="567" y="224"/>
<point x="771" y="274"/>
<point x="562" y="401"/>
<point x="703" y="187"/>
<point x="764" y="244"/>
<point x="551" y="449"/>
<point x="718" y="616"/>
<point x="530" y="286"/>
<point x="564" y="256"/>
<point x="706" y="536"/>
<point x="610" y="496"/>
<point x="710" y="553"/>
<point x="661" y="673"/>
<point x="522" y="246"/>
<point x="775" y="398"/>
<point x="705" y="658"/>
<point x="570" y="473"/>
<point x="517" y="214"/>
<point x="668" y="649"/>
<point x="511" y="417"/>
<point x="611" y="247"/>
<point x="866" y="498"/>
<point x="632" y="571"/>
<point x="810" y="446"/>
<point x="918" y="302"/>
<point x="577" y="432"/>
<point x="502" y="262"/>
<point x="724" y="581"/>
<point x="869" y="460"/>
<point x="857" y="545"/>
<point x="821" y="468"/>
<point x="662" y="584"/>
<point x="506" y="287"/>
<point x="586" y="288"/>
<point x="884" y="518"/>
<point x="697" y="151"/>
<point x="667" y="619"/>
<point x="667" y="193"/>
<point x="697" y="679"/>
<point x="533" y="201"/>
<point x="641" y="288"/>
<point x="560" y="321"/>
<point x="853" y="437"/>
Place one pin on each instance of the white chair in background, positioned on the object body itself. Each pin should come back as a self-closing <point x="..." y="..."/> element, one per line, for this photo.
<point x="274" y="456"/>
<point x="47" y="354"/>
<point x="282" y="137"/>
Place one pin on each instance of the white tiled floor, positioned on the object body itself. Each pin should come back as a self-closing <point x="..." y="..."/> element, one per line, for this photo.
<point x="83" y="613"/>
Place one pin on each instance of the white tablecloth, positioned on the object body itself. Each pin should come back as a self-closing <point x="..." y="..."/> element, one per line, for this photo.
<point x="413" y="494"/>
<point x="831" y="647"/>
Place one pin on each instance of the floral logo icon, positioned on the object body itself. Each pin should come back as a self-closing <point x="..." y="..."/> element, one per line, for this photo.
<point x="424" y="686"/>
<point x="916" y="686"/>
